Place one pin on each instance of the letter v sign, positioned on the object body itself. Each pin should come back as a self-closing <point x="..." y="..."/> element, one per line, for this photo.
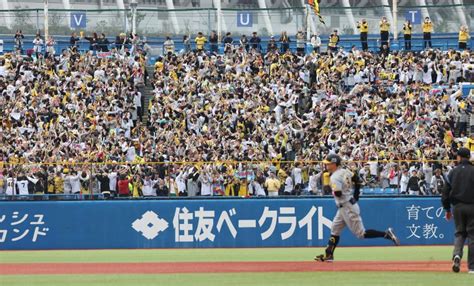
<point x="78" y="20"/>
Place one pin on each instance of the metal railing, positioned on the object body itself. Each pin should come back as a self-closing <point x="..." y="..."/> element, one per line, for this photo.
<point x="443" y="41"/>
<point x="154" y="180"/>
<point x="446" y="18"/>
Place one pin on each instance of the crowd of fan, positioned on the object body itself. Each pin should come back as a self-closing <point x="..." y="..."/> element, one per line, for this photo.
<point x="250" y="123"/>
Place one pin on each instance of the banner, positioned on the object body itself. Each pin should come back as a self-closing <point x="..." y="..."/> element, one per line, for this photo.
<point x="315" y="5"/>
<point x="211" y="223"/>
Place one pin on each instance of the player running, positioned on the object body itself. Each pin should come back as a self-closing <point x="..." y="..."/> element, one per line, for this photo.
<point x="342" y="181"/>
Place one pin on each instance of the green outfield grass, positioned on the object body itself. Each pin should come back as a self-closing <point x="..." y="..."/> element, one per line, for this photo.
<point x="212" y="255"/>
<point x="257" y="279"/>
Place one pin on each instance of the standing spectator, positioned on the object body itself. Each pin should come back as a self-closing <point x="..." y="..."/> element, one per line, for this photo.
<point x="168" y="46"/>
<point x="123" y="186"/>
<point x="214" y="42"/>
<point x="326" y="177"/>
<point x="206" y="182"/>
<point x="244" y="43"/>
<point x="407" y="28"/>
<point x="149" y="189"/>
<point x="103" y="43"/>
<point x="200" y="40"/>
<point x="297" y="175"/>
<point x="93" y="42"/>
<point x="363" y="30"/>
<point x="427" y="30"/>
<point x="333" y="41"/>
<point x="22" y="184"/>
<point x="257" y="185"/>
<point x="104" y="184"/>
<point x="316" y="43"/>
<point x="161" y="189"/>
<point x="289" y="186"/>
<point x="255" y="42"/>
<point x="186" y="44"/>
<point x="393" y="176"/>
<point x="112" y="175"/>
<point x="228" y="41"/>
<point x="384" y="32"/>
<point x="437" y="182"/>
<point x="404" y="179"/>
<point x="463" y="37"/>
<point x="73" y="40"/>
<point x="75" y="182"/>
<point x="137" y="99"/>
<point x="315" y="183"/>
<point x="122" y="42"/>
<point x="272" y="45"/>
<point x="414" y="184"/>
<point x="300" y="43"/>
<point x="37" y="45"/>
<point x="272" y="184"/>
<point x="10" y="184"/>
<point x="50" y="51"/>
<point x="19" y="40"/>
<point x="182" y="176"/>
<point x="284" y="42"/>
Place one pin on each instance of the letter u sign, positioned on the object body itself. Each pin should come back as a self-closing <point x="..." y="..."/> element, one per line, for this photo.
<point x="244" y="19"/>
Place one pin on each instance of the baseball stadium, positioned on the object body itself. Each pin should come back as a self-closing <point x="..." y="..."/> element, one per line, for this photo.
<point x="237" y="142"/>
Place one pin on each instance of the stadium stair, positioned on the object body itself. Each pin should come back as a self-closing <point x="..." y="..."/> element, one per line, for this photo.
<point x="147" y="92"/>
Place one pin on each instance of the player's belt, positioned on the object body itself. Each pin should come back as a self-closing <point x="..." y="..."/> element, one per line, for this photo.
<point x="352" y="201"/>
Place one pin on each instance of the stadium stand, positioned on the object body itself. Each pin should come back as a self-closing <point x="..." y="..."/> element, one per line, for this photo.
<point x="251" y="117"/>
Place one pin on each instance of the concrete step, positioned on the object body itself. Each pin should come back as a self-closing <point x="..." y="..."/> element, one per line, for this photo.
<point x="147" y="92"/>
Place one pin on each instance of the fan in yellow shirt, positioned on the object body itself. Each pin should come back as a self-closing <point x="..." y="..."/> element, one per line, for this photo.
<point x="333" y="41"/>
<point x="463" y="37"/>
<point x="384" y="31"/>
<point x="364" y="30"/>
<point x="427" y="30"/>
<point x="200" y="41"/>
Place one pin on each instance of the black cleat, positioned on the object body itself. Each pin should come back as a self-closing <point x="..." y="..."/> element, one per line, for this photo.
<point x="391" y="235"/>
<point x="324" y="258"/>
<point x="456" y="264"/>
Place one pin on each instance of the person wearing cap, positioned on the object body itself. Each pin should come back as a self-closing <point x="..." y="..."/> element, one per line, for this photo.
<point x="459" y="194"/>
<point x="345" y="187"/>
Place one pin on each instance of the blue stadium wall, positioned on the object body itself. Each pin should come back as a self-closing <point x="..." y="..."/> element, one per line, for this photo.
<point x="211" y="223"/>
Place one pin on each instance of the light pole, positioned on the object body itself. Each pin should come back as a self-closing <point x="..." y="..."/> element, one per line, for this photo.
<point x="133" y="7"/>
<point x="395" y="22"/>
<point x="46" y="24"/>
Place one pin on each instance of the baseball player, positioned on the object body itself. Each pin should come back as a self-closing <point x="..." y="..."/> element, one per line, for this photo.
<point x="342" y="181"/>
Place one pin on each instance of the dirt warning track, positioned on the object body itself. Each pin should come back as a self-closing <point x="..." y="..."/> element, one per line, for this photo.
<point x="220" y="267"/>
